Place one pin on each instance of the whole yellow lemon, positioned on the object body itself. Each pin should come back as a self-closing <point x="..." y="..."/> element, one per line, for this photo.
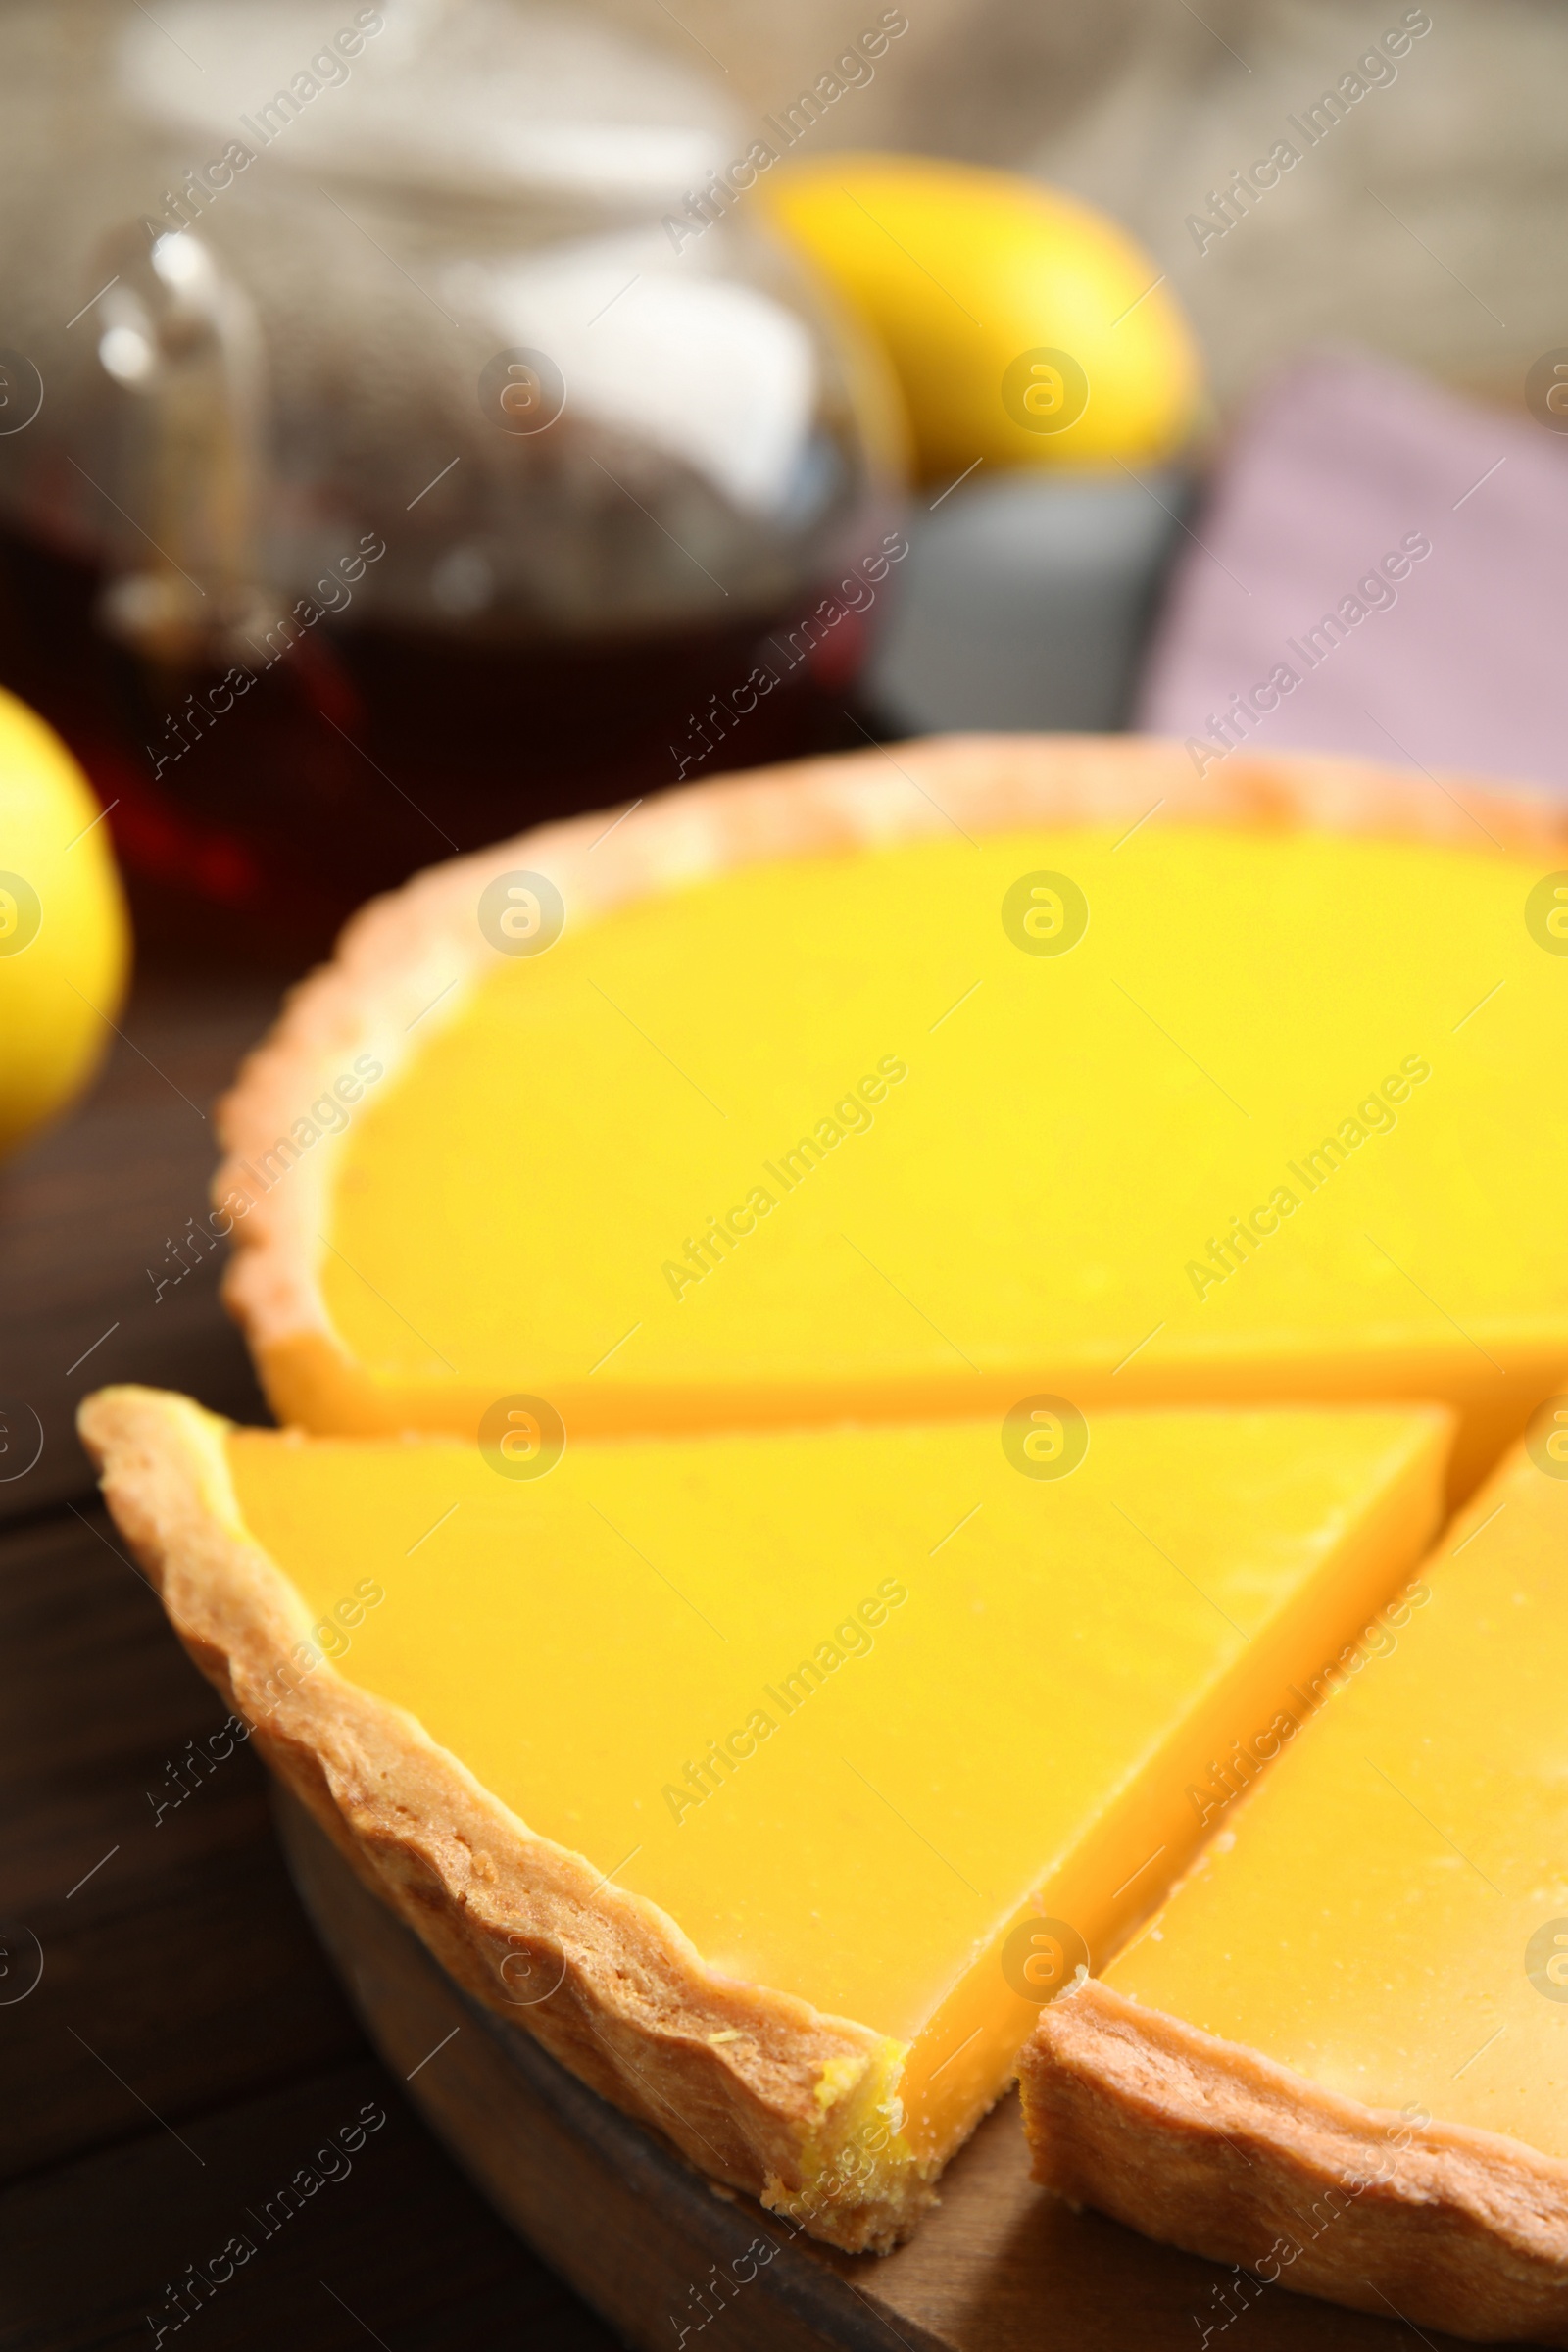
<point x="64" y="942"/>
<point x="1024" y="327"/>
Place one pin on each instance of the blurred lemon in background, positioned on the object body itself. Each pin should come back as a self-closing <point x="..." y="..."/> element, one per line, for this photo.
<point x="65" y="943"/>
<point x="1024" y="327"/>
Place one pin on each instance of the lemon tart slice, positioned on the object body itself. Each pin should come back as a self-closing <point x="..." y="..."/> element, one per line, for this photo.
<point x="905" y="1085"/>
<point x="1339" y="2056"/>
<point x="774" y="1780"/>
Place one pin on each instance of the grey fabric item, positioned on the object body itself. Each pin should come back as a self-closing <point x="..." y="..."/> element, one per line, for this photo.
<point x="1025" y="602"/>
<point x="1455" y="662"/>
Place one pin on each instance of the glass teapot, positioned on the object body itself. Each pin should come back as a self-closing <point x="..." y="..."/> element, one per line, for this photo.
<point x="404" y="437"/>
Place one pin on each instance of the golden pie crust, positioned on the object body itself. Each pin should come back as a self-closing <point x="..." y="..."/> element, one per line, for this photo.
<point x="1213" y="2147"/>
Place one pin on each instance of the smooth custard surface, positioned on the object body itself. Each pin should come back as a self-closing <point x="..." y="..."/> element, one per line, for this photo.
<point x="1389" y="1918"/>
<point x="842" y="1702"/>
<point x="1279" y="1122"/>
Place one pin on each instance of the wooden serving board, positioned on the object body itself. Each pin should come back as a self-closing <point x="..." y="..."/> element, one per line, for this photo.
<point x="668" y="2260"/>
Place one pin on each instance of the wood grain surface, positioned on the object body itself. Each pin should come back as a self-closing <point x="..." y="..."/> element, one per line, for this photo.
<point x="999" y="2266"/>
<point x="186" y="2049"/>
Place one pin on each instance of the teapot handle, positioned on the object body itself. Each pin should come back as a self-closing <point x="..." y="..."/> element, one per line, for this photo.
<point x="181" y="339"/>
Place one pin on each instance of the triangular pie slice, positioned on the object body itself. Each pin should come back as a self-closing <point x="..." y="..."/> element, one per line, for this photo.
<point x="910" y="1083"/>
<point x="1339" y="2056"/>
<point x="774" y="1779"/>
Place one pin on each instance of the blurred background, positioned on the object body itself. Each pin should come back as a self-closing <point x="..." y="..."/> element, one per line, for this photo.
<point x="424" y="418"/>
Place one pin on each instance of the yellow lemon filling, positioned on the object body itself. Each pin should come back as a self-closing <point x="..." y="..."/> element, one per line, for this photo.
<point x="903" y="1721"/>
<point x="1199" y="1114"/>
<point x="1389" y="1918"/>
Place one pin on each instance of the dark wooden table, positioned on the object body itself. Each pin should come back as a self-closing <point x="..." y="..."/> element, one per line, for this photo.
<point x="186" y="2051"/>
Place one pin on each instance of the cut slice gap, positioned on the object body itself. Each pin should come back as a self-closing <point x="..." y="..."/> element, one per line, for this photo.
<point x="774" y="1781"/>
<point x="1338" y="2055"/>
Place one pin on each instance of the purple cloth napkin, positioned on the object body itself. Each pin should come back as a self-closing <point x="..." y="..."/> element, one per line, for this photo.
<point x="1384" y="570"/>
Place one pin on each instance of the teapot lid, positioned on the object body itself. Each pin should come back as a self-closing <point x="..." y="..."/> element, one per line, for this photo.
<point x="475" y="98"/>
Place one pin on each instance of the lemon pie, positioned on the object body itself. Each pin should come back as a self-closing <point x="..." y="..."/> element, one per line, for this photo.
<point x="770" y="1776"/>
<point x="906" y="1083"/>
<point x="1339" y="2056"/>
<point x="860" y="1342"/>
